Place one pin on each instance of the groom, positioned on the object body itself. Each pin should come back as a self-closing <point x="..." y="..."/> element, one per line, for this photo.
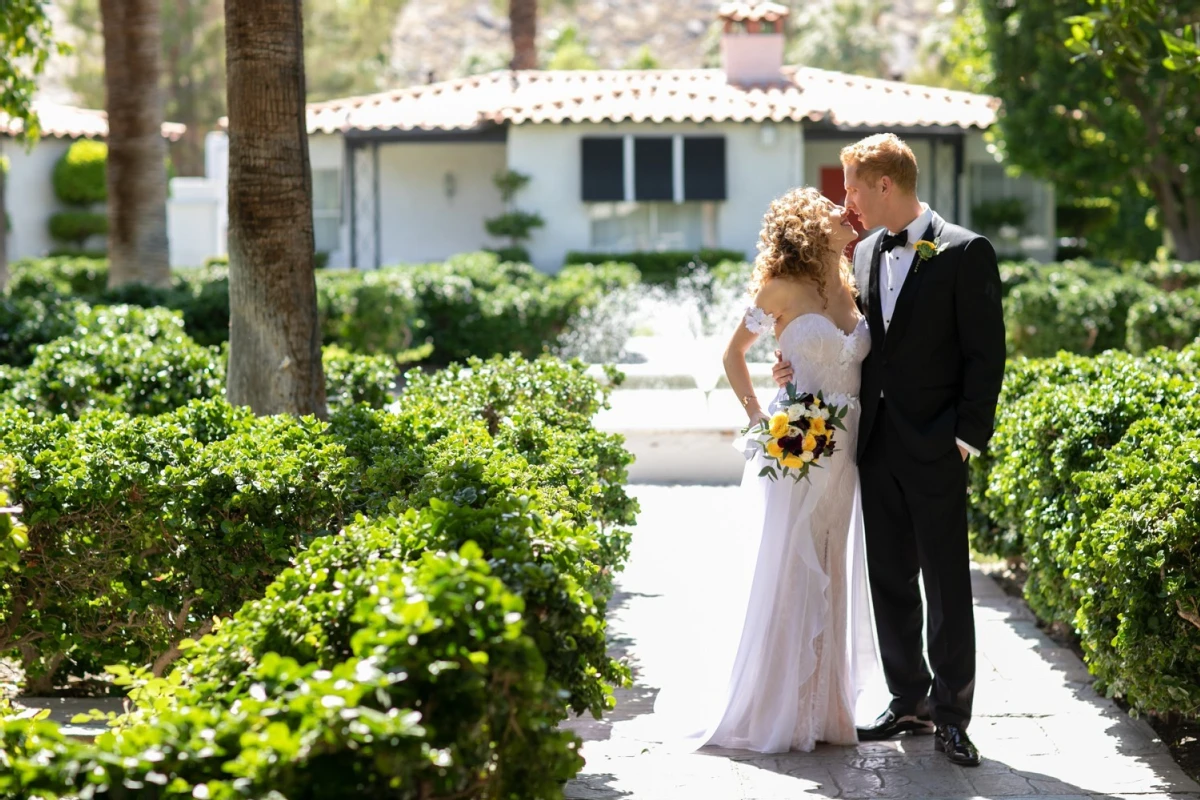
<point x="931" y="294"/>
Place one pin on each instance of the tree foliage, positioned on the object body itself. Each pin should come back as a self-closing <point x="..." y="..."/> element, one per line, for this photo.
<point x="1092" y="103"/>
<point x="26" y="43"/>
<point x="843" y="36"/>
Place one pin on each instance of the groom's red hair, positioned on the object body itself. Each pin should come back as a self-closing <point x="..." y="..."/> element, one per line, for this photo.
<point x="883" y="154"/>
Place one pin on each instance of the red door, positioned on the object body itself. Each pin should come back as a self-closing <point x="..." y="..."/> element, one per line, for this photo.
<point x="833" y="186"/>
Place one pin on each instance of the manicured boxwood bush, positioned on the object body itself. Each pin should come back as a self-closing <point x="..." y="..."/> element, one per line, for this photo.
<point x="77" y="227"/>
<point x="1090" y="480"/>
<point x="144" y="528"/>
<point x="418" y="682"/>
<point x="80" y="175"/>
<point x="1063" y="309"/>
<point x="1164" y="319"/>
<point x="659" y="266"/>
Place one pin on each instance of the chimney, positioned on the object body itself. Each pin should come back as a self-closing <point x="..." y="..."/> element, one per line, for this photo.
<point x="752" y="42"/>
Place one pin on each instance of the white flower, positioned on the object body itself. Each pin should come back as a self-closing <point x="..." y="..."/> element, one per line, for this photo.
<point x="795" y="412"/>
<point x="824" y="413"/>
<point x="793" y="430"/>
<point x="806" y="456"/>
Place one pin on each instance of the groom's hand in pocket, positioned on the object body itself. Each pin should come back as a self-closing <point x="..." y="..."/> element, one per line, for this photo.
<point x="782" y="371"/>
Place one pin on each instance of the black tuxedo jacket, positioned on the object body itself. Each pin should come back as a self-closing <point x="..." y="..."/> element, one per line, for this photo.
<point x="941" y="362"/>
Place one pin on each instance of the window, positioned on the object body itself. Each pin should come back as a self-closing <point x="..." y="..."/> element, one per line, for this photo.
<point x="998" y="199"/>
<point x="652" y="168"/>
<point x="653" y="226"/>
<point x="327" y="209"/>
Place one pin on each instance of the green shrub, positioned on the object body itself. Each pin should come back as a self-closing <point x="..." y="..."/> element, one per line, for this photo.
<point x="77" y="226"/>
<point x="351" y="378"/>
<point x="1090" y="480"/>
<point x="121" y="357"/>
<point x="14" y="536"/>
<point x="80" y="176"/>
<point x="1166" y="319"/>
<point x="61" y="275"/>
<point x="1068" y="310"/>
<point x="659" y="266"/>
<point x="371" y="312"/>
<point x="26" y="322"/>
<point x="426" y="687"/>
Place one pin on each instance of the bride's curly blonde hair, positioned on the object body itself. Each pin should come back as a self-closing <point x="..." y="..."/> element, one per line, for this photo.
<point x="795" y="243"/>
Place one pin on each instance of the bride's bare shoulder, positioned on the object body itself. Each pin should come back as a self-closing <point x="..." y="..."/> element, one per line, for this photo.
<point x="789" y="297"/>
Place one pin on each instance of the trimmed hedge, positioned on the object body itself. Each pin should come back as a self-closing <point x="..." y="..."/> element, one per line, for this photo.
<point x="80" y="176"/>
<point x="1091" y="480"/>
<point x="77" y="227"/>
<point x="142" y="528"/>
<point x="472" y="305"/>
<point x="439" y="694"/>
<point x="665" y="266"/>
<point x="1167" y="319"/>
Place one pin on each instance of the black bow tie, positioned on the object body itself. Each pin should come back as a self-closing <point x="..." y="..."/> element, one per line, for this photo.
<point x="892" y="240"/>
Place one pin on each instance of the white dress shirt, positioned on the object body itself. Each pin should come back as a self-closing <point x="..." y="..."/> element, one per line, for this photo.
<point x="894" y="267"/>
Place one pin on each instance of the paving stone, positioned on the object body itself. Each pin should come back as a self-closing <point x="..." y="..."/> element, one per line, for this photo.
<point x="1043" y="730"/>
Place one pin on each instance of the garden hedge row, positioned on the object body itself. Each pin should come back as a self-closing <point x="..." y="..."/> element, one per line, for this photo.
<point x="1093" y="480"/>
<point x="655" y="266"/>
<point x="1080" y="308"/>
<point x="139" y="361"/>
<point x="142" y="529"/>
<point x="472" y="305"/>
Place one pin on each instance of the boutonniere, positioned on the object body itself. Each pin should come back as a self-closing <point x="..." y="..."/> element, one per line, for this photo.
<point x="927" y="250"/>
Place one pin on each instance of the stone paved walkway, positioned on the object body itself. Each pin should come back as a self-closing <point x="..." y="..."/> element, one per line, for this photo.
<point x="1043" y="730"/>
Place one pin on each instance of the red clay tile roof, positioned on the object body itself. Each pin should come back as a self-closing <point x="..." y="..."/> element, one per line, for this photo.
<point x="676" y="95"/>
<point x="70" y="122"/>
<point x="752" y="11"/>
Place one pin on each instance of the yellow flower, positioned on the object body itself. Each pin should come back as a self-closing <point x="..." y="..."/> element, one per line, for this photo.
<point x="794" y="462"/>
<point x="816" y="426"/>
<point x="779" y="424"/>
<point x="810" y="443"/>
<point x="774" y="450"/>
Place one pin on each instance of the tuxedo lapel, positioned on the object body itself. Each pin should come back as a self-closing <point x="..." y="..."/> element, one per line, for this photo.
<point x="912" y="285"/>
<point x="874" y="307"/>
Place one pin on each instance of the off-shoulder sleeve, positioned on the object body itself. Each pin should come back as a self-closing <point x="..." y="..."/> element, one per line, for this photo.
<point x="758" y="321"/>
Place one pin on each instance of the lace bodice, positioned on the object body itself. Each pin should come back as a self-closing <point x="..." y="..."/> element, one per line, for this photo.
<point x="823" y="357"/>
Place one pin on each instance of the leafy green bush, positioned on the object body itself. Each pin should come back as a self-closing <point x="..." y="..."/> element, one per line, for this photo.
<point x="369" y="312"/>
<point x="1166" y="319"/>
<point x="60" y="275"/>
<point x="1089" y="479"/>
<point x="183" y="516"/>
<point x="1070" y="310"/>
<point x="420" y="684"/>
<point x="352" y="379"/>
<point x="76" y="227"/>
<point x="659" y="266"/>
<point x="14" y="536"/>
<point x="80" y="176"/>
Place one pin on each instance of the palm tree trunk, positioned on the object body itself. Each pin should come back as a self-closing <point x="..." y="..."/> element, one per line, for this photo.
<point x="3" y="225"/>
<point x="274" y="340"/>
<point x="137" y="178"/>
<point x="522" y="18"/>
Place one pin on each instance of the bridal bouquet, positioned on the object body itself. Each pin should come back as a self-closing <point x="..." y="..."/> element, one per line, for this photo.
<point x="799" y="435"/>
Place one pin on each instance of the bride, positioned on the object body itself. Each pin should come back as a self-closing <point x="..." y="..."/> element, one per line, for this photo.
<point x="786" y="669"/>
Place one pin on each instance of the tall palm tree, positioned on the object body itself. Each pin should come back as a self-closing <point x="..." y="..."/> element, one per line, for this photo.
<point x="137" y="175"/>
<point x="522" y="19"/>
<point x="274" y="340"/>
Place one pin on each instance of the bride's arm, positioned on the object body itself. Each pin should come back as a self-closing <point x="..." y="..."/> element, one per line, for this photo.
<point x="748" y="330"/>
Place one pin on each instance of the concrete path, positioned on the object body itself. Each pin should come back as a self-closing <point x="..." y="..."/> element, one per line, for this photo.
<point x="1043" y="730"/>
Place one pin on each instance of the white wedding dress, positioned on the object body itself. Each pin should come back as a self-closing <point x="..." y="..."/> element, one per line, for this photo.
<point x="796" y="649"/>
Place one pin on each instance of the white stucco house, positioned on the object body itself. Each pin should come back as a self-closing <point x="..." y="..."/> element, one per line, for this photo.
<point x="624" y="159"/>
<point x="29" y="194"/>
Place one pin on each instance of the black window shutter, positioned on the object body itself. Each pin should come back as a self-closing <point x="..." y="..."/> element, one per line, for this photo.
<point x="653" y="174"/>
<point x="603" y="164"/>
<point x="704" y="168"/>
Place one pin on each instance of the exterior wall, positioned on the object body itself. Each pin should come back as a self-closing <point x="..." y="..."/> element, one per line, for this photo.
<point x="1040" y="240"/>
<point x="426" y="215"/>
<point x="29" y="196"/>
<point x="762" y="162"/>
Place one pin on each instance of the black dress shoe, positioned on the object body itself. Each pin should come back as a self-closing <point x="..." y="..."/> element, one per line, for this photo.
<point x="892" y="724"/>
<point x="952" y="740"/>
